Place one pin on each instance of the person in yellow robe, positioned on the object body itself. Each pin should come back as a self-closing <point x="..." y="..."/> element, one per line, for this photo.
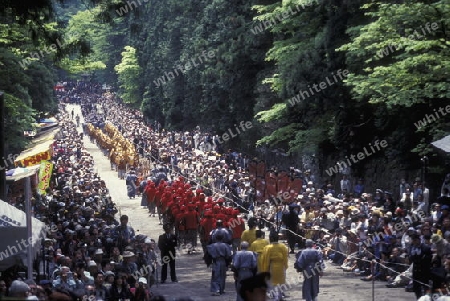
<point x="275" y="261"/>
<point x="258" y="246"/>
<point x="250" y="234"/>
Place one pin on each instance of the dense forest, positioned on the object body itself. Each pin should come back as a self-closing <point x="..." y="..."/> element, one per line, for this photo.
<point x="318" y="79"/>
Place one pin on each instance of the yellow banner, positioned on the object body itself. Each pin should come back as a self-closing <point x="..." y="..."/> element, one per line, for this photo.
<point x="45" y="173"/>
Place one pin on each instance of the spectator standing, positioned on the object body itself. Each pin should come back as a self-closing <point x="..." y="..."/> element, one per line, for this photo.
<point x="420" y="256"/>
<point x="128" y="265"/>
<point x="403" y="187"/>
<point x="124" y="233"/>
<point x="291" y="221"/>
<point x="167" y="243"/>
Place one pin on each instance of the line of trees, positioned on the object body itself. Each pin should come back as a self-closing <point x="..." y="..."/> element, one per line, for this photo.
<point x="253" y="76"/>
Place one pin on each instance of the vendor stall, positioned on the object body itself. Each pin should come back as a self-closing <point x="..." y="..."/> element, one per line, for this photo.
<point x="40" y="149"/>
<point x="15" y="242"/>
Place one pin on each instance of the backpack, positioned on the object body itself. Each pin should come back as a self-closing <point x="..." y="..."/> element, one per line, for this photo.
<point x="296" y="266"/>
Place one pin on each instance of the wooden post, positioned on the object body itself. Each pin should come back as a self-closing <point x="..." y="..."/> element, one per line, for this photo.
<point x="2" y="148"/>
<point x="30" y="252"/>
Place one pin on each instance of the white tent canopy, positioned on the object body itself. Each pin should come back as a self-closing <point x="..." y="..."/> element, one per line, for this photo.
<point x="19" y="173"/>
<point x="14" y="237"/>
<point x="443" y="144"/>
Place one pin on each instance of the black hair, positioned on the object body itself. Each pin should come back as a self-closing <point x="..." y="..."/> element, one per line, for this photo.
<point x="252" y="222"/>
<point x="273" y="236"/>
<point x="259" y="234"/>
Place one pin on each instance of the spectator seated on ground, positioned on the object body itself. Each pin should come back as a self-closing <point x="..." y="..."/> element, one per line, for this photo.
<point x="350" y="263"/>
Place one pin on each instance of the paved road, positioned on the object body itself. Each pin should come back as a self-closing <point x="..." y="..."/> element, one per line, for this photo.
<point x="194" y="276"/>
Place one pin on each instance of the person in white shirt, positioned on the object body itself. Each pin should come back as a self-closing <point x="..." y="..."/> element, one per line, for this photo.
<point x="362" y="226"/>
<point x="196" y="140"/>
<point x="436" y="213"/>
<point x="426" y="198"/>
<point x="406" y="238"/>
<point x="403" y="186"/>
<point x="339" y="244"/>
<point x="310" y="186"/>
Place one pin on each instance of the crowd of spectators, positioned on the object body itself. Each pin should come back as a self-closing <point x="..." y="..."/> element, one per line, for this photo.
<point x="89" y="254"/>
<point x="375" y="236"/>
<point x="367" y="234"/>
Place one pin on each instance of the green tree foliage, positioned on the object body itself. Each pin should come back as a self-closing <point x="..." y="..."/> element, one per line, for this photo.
<point x="27" y="82"/>
<point x="31" y="42"/>
<point x="305" y="35"/>
<point x="400" y="64"/>
<point x="200" y="63"/>
<point x="88" y="39"/>
<point x="18" y="118"/>
<point x="322" y="77"/>
<point x="129" y="74"/>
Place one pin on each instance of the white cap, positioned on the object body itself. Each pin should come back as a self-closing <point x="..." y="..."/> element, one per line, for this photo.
<point x="142" y="280"/>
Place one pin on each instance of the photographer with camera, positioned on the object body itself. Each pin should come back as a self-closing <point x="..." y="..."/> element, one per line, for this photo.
<point x="339" y="244"/>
